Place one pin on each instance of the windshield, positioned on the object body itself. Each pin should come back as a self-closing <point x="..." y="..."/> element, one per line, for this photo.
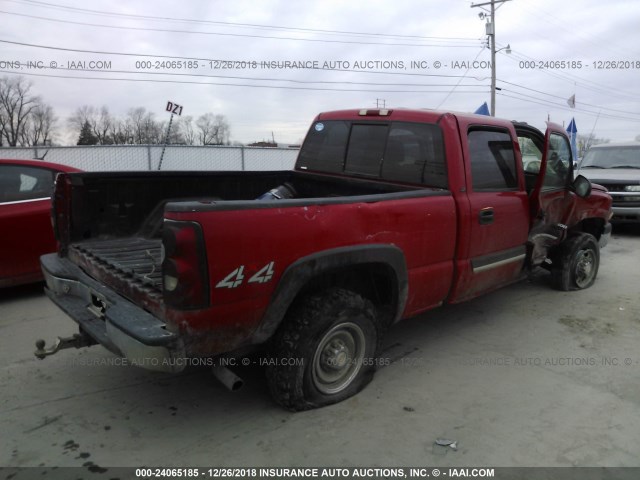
<point x="613" y="157"/>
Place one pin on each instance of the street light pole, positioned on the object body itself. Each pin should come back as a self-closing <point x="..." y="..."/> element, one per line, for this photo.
<point x="493" y="58"/>
<point x="491" y="32"/>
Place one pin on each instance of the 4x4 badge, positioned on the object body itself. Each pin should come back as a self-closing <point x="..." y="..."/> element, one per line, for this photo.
<point x="235" y="278"/>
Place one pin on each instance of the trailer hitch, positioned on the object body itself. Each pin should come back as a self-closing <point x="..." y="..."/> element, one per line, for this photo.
<point x="77" y="340"/>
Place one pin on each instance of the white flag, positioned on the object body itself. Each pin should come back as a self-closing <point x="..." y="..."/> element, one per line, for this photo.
<point x="572" y="101"/>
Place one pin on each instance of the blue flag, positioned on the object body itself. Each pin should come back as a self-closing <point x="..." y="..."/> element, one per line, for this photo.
<point x="572" y="130"/>
<point x="483" y="109"/>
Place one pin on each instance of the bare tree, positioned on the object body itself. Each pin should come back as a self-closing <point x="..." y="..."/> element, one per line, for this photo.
<point x="99" y="119"/>
<point x="186" y="129"/>
<point x="16" y="105"/>
<point x="213" y="129"/>
<point x="121" y="132"/>
<point x="175" y="135"/>
<point x="80" y="117"/>
<point x="585" y="142"/>
<point x="141" y="127"/>
<point x="103" y="125"/>
<point x="145" y="129"/>
<point x="40" y="126"/>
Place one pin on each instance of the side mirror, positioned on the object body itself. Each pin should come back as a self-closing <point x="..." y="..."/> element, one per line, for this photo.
<point x="582" y="186"/>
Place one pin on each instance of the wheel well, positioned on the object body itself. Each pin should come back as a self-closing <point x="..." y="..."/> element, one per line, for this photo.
<point x="594" y="226"/>
<point x="375" y="281"/>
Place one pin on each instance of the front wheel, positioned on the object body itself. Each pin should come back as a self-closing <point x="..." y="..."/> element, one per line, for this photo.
<point x="576" y="264"/>
<point x="325" y="350"/>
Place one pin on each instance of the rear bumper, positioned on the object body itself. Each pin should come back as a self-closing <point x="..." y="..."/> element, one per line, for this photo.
<point x="120" y="326"/>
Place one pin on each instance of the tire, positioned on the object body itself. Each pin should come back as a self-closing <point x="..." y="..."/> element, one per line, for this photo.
<point x="325" y="350"/>
<point x="575" y="266"/>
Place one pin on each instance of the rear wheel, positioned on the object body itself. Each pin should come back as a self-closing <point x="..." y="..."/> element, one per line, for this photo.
<point x="576" y="264"/>
<point x="325" y="350"/>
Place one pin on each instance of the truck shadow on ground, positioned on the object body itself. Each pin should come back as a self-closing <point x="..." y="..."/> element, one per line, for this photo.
<point x="631" y="230"/>
<point x="21" y="292"/>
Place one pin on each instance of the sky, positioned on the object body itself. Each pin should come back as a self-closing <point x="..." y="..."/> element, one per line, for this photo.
<point x="270" y="66"/>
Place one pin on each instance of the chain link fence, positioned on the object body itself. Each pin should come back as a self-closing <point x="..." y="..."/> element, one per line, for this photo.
<point x="148" y="157"/>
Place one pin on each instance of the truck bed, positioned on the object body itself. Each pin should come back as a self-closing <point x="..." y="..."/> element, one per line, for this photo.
<point x="115" y="230"/>
<point x="124" y="205"/>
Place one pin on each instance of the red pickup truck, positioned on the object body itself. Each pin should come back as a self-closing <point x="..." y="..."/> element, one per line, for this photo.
<point x="388" y="213"/>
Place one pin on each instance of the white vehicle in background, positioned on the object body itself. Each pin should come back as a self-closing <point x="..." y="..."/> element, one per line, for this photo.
<point x="616" y="166"/>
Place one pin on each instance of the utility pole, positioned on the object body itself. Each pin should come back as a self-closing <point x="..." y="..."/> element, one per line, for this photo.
<point x="491" y="33"/>
<point x="381" y="102"/>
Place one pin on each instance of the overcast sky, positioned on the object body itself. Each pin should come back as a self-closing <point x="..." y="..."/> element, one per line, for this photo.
<point x="599" y="43"/>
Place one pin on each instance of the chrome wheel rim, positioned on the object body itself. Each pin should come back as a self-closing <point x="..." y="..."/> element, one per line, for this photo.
<point x="585" y="268"/>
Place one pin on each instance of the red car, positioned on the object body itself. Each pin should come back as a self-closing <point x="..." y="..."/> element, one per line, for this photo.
<point x="25" y="218"/>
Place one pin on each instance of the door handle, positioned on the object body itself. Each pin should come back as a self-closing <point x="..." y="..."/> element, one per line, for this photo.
<point x="486" y="215"/>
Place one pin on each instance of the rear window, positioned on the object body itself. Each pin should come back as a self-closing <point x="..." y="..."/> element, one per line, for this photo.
<point x="396" y="151"/>
<point x="366" y="149"/>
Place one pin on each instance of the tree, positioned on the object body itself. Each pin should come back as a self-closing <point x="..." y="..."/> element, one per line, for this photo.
<point x="175" y="135"/>
<point x="186" y="129"/>
<point x="121" y="132"/>
<point x="585" y="142"/>
<point x="140" y="127"/>
<point x="103" y="125"/>
<point x="40" y="126"/>
<point x="145" y="130"/>
<point x="213" y="129"/>
<point x="16" y="106"/>
<point x="86" y="135"/>
<point x="99" y="119"/>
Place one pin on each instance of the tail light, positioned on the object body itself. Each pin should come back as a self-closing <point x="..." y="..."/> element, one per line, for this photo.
<point x="61" y="211"/>
<point x="185" y="278"/>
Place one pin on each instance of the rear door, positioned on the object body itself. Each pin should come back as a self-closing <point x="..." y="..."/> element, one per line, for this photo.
<point x="498" y="213"/>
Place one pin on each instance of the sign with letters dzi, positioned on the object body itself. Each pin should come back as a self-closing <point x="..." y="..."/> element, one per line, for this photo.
<point x="174" y="108"/>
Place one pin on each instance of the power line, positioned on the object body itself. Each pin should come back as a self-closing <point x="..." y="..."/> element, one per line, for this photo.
<point x="260" y="79"/>
<point x="564" y="98"/>
<point x="461" y="78"/>
<point x="177" y="57"/>
<point x="281" y="87"/>
<point x="546" y="103"/>
<point x="243" y="35"/>
<point x="234" y="24"/>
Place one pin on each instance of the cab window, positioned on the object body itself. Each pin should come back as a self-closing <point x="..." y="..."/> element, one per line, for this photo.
<point x="559" y="163"/>
<point x="493" y="164"/>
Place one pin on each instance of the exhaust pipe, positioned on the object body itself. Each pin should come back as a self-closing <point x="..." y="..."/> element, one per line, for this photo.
<point x="228" y="378"/>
